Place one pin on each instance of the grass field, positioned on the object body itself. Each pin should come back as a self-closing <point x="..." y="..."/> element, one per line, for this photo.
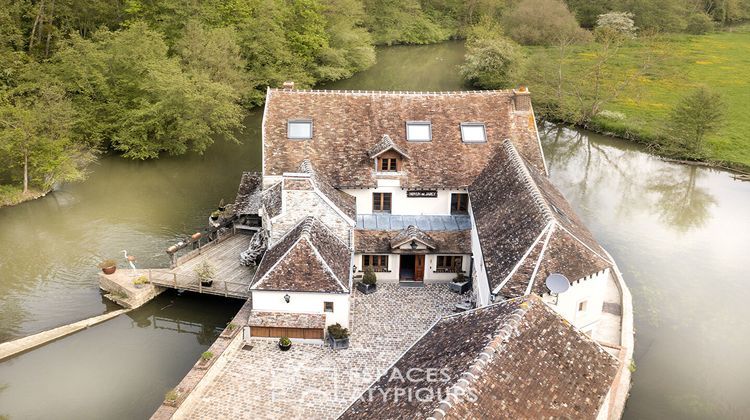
<point x="720" y="61"/>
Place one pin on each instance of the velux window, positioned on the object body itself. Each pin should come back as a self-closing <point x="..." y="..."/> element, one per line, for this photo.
<point x="381" y="202"/>
<point x="378" y="263"/>
<point x="299" y="129"/>
<point x="459" y="203"/>
<point x="473" y="133"/>
<point x="418" y="131"/>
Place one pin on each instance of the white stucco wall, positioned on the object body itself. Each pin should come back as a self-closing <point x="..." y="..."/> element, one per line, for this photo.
<point x="304" y="302"/>
<point x="589" y="289"/>
<point x="301" y="203"/>
<point x="480" y="283"/>
<point x="430" y="276"/>
<point x="401" y="204"/>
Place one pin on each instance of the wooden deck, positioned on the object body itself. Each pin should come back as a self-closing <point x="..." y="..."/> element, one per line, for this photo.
<point x="232" y="279"/>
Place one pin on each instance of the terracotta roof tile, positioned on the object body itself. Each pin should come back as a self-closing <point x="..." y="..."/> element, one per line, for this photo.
<point x="379" y="241"/>
<point x="534" y="224"/>
<point x="346" y="125"/>
<point x="412" y="233"/>
<point x="514" y="359"/>
<point x="286" y="320"/>
<point x="309" y="258"/>
<point x="385" y="144"/>
<point x="271" y="198"/>
<point x="248" y="194"/>
<point x="345" y="202"/>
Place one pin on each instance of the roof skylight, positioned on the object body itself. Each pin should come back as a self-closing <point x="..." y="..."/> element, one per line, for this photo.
<point x="418" y="131"/>
<point x="473" y="133"/>
<point x="299" y="129"/>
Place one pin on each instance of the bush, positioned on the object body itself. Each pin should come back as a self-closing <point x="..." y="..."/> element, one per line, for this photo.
<point x="494" y="63"/>
<point x="699" y="24"/>
<point x="107" y="263"/>
<point x="369" y="277"/>
<point x="542" y="22"/>
<point x="337" y="331"/>
<point x="206" y="356"/>
<point x="140" y="280"/>
<point x="460" y="277"/>
<point x="285" y="341"/>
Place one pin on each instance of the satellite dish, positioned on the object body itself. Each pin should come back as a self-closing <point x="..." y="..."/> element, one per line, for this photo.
<point x="557" y="283"/>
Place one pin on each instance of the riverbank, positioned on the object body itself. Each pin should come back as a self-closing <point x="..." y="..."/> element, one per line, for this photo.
<point x="679" y="63"/>
<point x="11" y="195"/>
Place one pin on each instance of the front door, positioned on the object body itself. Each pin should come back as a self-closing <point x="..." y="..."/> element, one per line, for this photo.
<point x="419" y="268"/>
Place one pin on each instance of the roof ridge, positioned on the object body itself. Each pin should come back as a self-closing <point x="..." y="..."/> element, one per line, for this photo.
<point x="462" y="386"/>
<point x="525" y="176"/>
<point x="508" y="92"/>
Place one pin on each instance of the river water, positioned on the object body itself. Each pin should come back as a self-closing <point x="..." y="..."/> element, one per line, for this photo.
<point x="680" y="235"/>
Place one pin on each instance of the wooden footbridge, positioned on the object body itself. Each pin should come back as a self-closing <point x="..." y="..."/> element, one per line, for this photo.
<point x="231" y="278"/>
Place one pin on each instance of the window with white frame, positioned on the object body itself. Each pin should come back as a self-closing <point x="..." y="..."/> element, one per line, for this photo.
<point x="299" y="129"/>
<point x="418" y="131"/>
<point x="473" y="133"/>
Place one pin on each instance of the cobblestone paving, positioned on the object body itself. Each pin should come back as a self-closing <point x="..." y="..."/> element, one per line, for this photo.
<point x="313" y="381"/>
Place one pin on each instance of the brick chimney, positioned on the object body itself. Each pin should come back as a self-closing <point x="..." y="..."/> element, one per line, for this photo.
<point x="522" y="99"/>
<point x="288" y="85"/>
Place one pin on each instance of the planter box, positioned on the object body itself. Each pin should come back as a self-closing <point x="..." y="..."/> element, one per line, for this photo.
<point x="285" y="348"/>
<point x="460" y="288"/>
<point x="338" y="343"/>
<point x="366" y="288"/>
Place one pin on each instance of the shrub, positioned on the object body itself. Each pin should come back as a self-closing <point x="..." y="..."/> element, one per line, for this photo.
<point x="107" y="263"/>
<point x="494" y="63"/>
<point x="369" y="277"/>
<point x="206" y="356"/>
<point x="140" y="280"/>
<point x="337" y="331"/>
<point x="205" y="272"/>
<point x="285" y="341"/>
<point x="231" y="326"/>
<point x="699" y="24"/>
<point x="460" y="277"/>
<point x="542" y="22"/>
<point x="171" y="395"/>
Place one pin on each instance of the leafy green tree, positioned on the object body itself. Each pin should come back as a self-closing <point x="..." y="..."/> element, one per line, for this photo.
<point x="402" y="22"/>
<point x="695" y="116"/>
<point x="350" y="46"/>
<point x="493" y="63"/>
<point x="542" y="22"/>
<point x="35" y="121"/>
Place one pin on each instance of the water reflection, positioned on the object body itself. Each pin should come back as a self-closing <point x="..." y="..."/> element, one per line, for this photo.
<point x="681" y="203"/>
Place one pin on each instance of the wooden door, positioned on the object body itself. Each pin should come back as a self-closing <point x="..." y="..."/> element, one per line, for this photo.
<point x="419" y="268"/>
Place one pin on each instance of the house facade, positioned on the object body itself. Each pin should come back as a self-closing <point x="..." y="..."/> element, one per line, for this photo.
<point x="423" y="187"/>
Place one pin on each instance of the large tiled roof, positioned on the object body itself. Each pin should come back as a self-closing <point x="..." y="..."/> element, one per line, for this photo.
<point x="526" y="228"/>
<point x="347" y="124"/>
<point x="248" y="194"/>
<point x="380" y="241"/>
<point x="309" y="258"/>
<point x="514" y="359"/>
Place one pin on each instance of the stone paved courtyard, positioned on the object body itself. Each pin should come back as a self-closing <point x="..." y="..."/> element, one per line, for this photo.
<point x="313" y="381"/>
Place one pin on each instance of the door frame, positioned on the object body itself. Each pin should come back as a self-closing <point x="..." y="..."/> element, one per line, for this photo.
<point x="419" y="267"/>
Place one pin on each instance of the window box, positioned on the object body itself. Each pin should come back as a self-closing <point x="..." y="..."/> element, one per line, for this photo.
<point x="338" y="343"/>
<point x="460" y="288"/>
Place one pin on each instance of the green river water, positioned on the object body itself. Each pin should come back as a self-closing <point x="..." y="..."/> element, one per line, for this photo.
<point x="680" y="235"/>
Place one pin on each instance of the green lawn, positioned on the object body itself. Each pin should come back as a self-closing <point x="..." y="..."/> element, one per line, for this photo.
<point x="720" y="61"/>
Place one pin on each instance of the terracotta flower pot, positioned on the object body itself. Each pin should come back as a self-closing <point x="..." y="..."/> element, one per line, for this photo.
<point x="109" y="270"/>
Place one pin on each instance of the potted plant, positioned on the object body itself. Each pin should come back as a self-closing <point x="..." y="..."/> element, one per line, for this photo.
<point x="367" y="285"/>
<point x="229" y="330"/>
<point x="108" y="266"/>
<point x="460" y="283"/>
<point x="170" y="398"/>
<point x="338" y="336"/>
<point x="139" y="281"/>
<point x="215" y="215"/>
<point x="205" y="273"/>
<point x="285" y="343"/>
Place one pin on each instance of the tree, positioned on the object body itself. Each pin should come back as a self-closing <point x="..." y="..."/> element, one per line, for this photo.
<point x="542" y="22"/>
<point x="695" y="116"/>
<point x="35" y="123"/>
<point x="493" y="63"/>
<point x="350" y="46"/>
<point x="615" y="26"/>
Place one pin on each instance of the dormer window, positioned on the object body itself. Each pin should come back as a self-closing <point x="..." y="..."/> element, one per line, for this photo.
<point x="389" y="164"/>
<point x="299" y="129"/>
<point x="418" y="131"/>
<point x="473" y="133"/>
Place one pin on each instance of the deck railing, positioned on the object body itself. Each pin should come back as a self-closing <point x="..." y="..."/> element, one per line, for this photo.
<point x="196" y="242"/>
<point x="191" y="282"/>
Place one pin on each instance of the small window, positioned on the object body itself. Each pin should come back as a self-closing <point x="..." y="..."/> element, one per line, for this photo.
<point x="459" y="203"/>
<point x="378" y="263"/>
<point x="381" y="202"/>
<point x="299" y="129"/>
<point x="582" y="306"/>
<point x="449" y="264"/>
<point x="327" y="306"/>
<point x="473" y="133"/>
<point x="389" y="164"/>
<point x="418" y="131"/>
